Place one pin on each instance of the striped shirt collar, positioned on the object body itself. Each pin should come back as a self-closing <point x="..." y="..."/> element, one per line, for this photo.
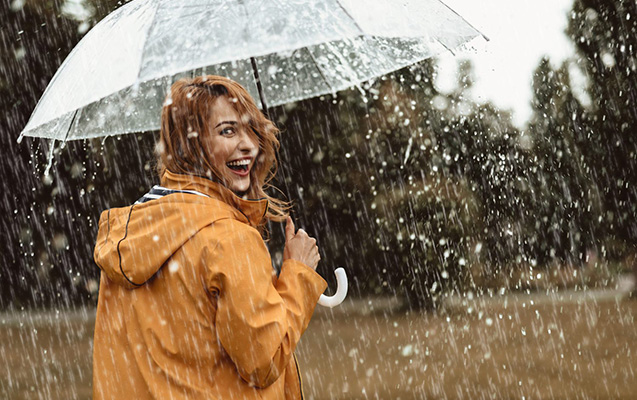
<point x="157" y="192"/>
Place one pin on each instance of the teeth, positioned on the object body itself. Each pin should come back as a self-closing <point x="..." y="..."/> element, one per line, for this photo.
<point x="239" y="163"/>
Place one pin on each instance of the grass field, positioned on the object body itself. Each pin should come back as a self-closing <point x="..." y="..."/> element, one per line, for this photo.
<point x="577" y="346"/>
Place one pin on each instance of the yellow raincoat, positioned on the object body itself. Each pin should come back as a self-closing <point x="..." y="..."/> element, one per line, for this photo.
<point x="189" y="304"/>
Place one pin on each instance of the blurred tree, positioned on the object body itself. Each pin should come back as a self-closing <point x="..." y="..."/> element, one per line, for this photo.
<point x="50" y="220"/>
<point x="565" y="200"/>
<point x="405" y="185"/>
<point x="496" y="166"/>
<point x="494" y="159"/>
<point x="34" y="40"/>
<point x="423" y="208"/>
<point x="605" y="36"/>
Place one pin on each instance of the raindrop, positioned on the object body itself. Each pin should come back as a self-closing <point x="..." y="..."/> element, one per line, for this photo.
<point x="173" y="266"/>
<point x="407" y="351"/>
<point x="17" y="5"/>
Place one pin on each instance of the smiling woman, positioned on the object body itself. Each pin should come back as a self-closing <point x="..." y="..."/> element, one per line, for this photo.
<point x="189" y="304"/>
<point x="208" y="122"/>
<point x="233" y="146"/>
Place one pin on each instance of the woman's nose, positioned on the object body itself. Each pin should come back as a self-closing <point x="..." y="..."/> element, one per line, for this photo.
<point x="247" y="142"/>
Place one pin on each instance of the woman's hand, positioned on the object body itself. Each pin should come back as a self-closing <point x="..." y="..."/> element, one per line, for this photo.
<point x="300" y="246"/>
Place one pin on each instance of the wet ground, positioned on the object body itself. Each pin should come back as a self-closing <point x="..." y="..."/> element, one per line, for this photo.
<point x="564" y="346"/>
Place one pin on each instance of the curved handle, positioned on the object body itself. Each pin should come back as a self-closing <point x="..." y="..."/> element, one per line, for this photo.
<point x="341" y="290"/>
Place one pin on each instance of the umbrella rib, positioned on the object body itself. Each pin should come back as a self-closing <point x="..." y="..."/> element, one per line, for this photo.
<point x="445" y="46"/>
<point x="68" y="131"/>
<point x="152" y="25"/>
<point x="350" y="16"/>
<point x="192" y="5"/>
<point x="318" y="67"/>
<point x="195" y="13"/>
<point x="465" y="21"/>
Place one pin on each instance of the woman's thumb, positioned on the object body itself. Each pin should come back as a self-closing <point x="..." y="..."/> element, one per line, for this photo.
<point x="289" y="229"/>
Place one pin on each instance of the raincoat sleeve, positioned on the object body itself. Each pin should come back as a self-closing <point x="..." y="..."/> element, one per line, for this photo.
<point x="259" y="320"/>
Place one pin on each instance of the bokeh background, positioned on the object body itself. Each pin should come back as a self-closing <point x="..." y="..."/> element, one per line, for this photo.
<point x="488" y="258"/>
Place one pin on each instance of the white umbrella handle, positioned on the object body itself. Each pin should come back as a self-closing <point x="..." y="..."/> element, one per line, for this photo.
<point x="341" y="290"/>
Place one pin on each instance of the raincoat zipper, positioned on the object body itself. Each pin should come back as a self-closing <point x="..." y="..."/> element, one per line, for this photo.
<point x="298" y="373"/>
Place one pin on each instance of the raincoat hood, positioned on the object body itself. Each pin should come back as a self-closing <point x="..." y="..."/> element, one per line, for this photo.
<point x="134" y="242"/>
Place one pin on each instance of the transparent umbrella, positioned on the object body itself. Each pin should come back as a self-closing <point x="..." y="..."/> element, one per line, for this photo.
<point x="115" y="79"/>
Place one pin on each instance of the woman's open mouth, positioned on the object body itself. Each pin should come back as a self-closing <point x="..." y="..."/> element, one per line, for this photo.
<point x="240" y="167"/>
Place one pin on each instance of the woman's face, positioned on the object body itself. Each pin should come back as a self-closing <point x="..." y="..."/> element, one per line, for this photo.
<point x="232" y="145"/>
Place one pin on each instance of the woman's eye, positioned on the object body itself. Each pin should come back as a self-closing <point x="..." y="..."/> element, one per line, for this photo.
<point x="227" y="131"/>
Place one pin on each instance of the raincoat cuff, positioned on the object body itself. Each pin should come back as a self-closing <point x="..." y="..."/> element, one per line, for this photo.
<point x="314" y="284"/>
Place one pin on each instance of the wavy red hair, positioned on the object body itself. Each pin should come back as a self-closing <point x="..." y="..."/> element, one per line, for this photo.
<point x="186" y="117"/>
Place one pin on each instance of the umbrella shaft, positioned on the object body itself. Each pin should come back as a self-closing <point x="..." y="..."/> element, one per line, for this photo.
<point x="255" y="71"/>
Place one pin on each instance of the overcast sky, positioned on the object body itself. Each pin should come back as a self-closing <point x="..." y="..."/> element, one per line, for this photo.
<point x="521" y="32"/>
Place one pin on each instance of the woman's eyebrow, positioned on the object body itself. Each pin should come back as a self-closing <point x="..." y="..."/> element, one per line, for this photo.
<point x="226" y="122"/>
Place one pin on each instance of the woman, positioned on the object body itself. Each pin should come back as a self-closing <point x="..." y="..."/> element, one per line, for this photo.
<point x="189" y="304"/>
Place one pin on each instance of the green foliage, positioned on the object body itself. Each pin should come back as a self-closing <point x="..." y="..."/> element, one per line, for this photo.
<point x="50" y="221"/>
<point x="409" y="188"/>
<point x="566" y="199"/>
<point x="605" y="35"/>
<point x="387" y="182"/>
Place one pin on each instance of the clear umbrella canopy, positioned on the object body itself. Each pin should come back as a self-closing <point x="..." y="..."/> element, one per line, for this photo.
<point x="115" y="80"/>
